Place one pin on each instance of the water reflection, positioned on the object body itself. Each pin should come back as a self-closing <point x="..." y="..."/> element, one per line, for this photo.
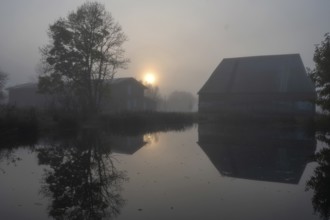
<point x="172" y="179"/>
<point x="127" y="144"/>
<point x="9" y="143"/>
<point x="151" y="138"/>
<point x="276" y="154"/>
<point x="320" y="180"/>
<point x="82" y="181"/>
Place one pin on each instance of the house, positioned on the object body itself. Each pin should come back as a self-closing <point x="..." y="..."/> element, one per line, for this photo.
<point x="259" y="85"/>
<point x="126" y="94"/>
<point x="273" y="154"/>
<point x="26" y="96"/>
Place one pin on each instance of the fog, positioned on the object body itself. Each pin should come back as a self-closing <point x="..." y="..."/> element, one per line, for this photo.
<point x="182" y="42"/>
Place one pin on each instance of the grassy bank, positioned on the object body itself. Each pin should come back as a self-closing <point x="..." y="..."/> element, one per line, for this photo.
<point x="20" y="123"/>
<point x="144" y="122"/>
<point x="29" y="123"/>
<point x="18" y="126"/>
<point x="258" y="120"/>
<point x="122" y="123"/>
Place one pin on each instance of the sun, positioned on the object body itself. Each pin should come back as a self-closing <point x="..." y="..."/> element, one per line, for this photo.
<point x="149" y="78"/>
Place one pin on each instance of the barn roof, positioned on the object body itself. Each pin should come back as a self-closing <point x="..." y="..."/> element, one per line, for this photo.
<point x="259" y="74"/>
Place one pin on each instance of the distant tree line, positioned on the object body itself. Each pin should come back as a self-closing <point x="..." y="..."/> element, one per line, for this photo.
<point x="177" y="101"/>
<point x="321" y="73"/>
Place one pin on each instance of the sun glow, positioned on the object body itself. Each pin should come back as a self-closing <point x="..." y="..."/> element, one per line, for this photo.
<point x="149" y="78"/>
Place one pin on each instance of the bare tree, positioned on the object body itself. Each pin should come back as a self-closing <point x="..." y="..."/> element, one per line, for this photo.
<point x="3" y="81"/>
<point x="85" y="51"/>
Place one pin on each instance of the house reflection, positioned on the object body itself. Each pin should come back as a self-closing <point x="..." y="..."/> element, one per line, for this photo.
<point x="126" y="144"/>
<point x="276" y="154"/>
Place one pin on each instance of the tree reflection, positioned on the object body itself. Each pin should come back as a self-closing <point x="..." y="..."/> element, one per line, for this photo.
<point x="320" y="181"/>
<point x="82" y="180"/>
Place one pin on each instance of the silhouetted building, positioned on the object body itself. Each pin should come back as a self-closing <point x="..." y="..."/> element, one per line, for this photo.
<point x="259" y="85"/>
<point x="258" y="153"/>
<point x="126" y="94"/>
<point x="26" y="95"/>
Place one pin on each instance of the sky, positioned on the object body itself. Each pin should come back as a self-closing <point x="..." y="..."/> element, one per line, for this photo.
<point x="180" y="41"/>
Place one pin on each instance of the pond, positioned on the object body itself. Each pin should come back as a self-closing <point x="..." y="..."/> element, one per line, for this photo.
<point x="204" y="172"/>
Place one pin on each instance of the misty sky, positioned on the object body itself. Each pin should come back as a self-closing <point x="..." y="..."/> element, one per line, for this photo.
<point x="182" y="41"/>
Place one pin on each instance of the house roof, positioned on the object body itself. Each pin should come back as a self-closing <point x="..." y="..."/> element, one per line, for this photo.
<point x="24" y="86"/>
<point x="117" y="81"/>
<point x="120" y="80"/>
<point x="259" y="74"/>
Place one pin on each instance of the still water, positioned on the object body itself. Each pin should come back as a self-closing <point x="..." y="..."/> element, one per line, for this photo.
<point x="204" y="172"/>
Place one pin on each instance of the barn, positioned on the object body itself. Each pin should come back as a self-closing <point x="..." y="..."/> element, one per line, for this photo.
<point x="259" y="85"/>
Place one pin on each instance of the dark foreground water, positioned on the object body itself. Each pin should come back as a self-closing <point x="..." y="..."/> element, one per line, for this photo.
<point x="205" y="172"/>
